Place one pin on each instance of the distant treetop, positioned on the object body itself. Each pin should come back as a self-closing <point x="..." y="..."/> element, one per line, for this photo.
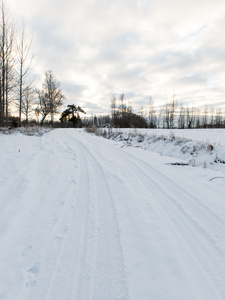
<point x="71" y="114"/>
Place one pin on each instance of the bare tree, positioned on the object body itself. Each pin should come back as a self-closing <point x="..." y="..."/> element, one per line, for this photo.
<point x="205" y="117"/>
<point x="197" y="118"/>
<point x="113" y="109"/>
<point x="27" y="105"/>
<point x="181" y="117"/>
<point x="152" y="119"/>
<point x="7" y="38"/>
<point x="25" y="84"/>
<point x="212" y="117"/>
<point x="122" y="109"/>
<point x="219" y="118"/>
<point x="43" y="107"/>
<point x="190" y="117"/>
<point x="160" y="119"/>
<point x="170" y="108"/>
<point x="50" y="98"/>
<point x="141" y="112"/>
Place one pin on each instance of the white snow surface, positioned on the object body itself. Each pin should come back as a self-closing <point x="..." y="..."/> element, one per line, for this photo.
<point x="205" y="148"/>
<point x="211" y="136"/>
<point x="86" y="218"/>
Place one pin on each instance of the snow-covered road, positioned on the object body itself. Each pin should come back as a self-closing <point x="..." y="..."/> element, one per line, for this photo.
<point x="83" y="219"/>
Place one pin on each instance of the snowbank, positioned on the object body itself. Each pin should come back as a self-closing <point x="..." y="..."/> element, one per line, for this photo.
<point x="204" y="148"/>
<point x="31" y="131"/>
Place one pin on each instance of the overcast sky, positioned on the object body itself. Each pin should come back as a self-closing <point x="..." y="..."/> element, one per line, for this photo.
<point x="142" y="48"/>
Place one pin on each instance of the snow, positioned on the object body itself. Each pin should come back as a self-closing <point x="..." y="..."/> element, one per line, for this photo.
<point x="194" y="149"/>
<point x="210" y="136"/>
<point x="82" y="217"/>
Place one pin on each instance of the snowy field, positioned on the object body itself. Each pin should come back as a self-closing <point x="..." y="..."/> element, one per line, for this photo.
<point x="86" y="218"/>
<point x="212" y="136"/>
<point x="197" y="147"/>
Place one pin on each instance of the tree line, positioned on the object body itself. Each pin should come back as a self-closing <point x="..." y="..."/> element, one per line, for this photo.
<point x="171" y="114"/>
<point x="176" y="115"/>
<point x="17" y="86"/>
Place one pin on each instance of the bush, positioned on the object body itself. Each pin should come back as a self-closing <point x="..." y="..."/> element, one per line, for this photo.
<point x="91" y="129"/>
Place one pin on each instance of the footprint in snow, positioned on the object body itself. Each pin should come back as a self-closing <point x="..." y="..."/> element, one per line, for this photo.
<point x="63" y="232"/>
<point x="32" y="274"/>
<point x="65" y="228"/>
<point x="59" y="237"/>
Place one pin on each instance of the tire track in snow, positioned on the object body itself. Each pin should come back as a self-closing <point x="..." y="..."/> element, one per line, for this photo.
<point x="103" y="274"/>
<point x="201" y="229"/>
<point x="64" y="266"/>
<point x="89" y="263"/>
<point x="192" y="206"/>
<point x="203" y="234"/>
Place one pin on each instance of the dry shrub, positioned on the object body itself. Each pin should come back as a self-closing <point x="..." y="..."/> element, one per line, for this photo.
<point x="91" y="129"/>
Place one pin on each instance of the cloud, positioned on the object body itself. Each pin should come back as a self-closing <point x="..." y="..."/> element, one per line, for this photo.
<point x="98" y="47"/>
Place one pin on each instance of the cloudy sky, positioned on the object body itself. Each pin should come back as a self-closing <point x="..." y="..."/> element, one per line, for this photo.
<point x="142" y="48"/>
